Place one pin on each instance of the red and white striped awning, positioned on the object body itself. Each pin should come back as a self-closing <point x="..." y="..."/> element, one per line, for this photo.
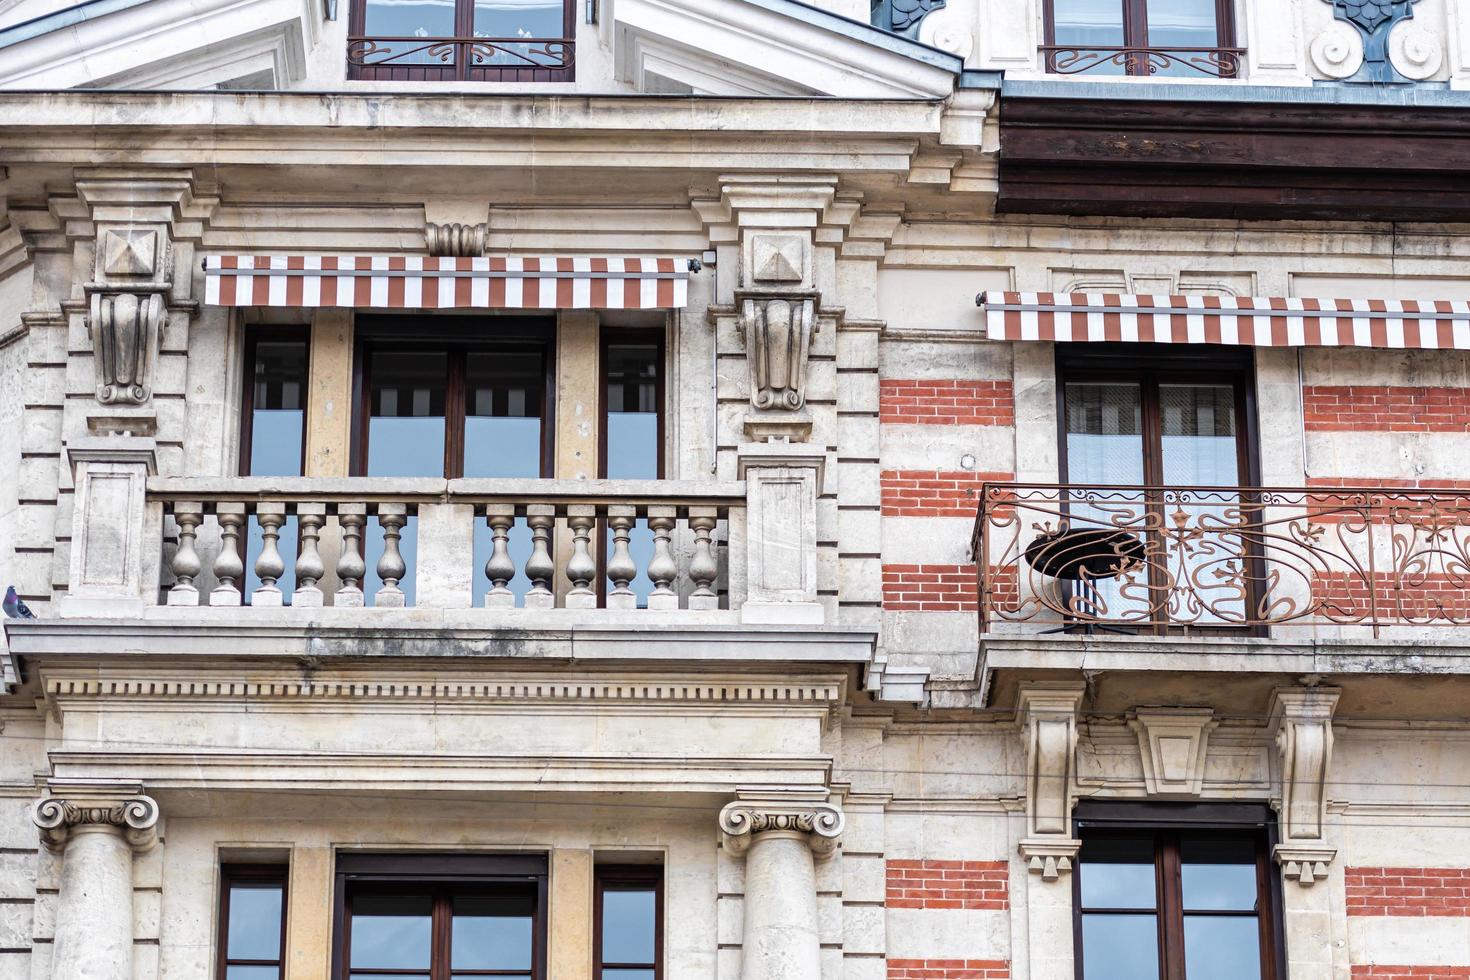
<point x="440" y="283"/>
<point x="1254" y="321"/>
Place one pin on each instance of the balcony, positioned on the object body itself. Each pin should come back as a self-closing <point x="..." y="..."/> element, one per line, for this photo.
<point x="1301" y="563"/>
<point x="1211" y="62"/>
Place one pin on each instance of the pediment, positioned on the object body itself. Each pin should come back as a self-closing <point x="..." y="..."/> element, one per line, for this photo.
<point x="768" y="47"/>
<point x="178" y="44"/>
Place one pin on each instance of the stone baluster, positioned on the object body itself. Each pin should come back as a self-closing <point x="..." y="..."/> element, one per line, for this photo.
<point x="620" y="567"/>
<point x="188" y="515"/>
<point x="309" y="568"/>
<point x="228" y="568"/>
<point x="350" y="564"/>
<point x="539" y="567"/>
<point x="662" y="568"/>
<point x="780" y="842"/>
<point x="500" y="569"/>
<point x="581" y="569"/>
<point x="391" y="569"/>
<point x="703" y="568"/>
<point x="96" y="829"/>
<point x="268" y="565"/>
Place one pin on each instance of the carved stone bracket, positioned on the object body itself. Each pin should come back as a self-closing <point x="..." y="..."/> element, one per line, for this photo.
<point x="820" y="823"/>
<point x="1048" y="719"/>
<point x="135" y="815"/>
<point x="1049" y="858"/>
<point x="1302" y="718"/>
<point x="127" y="309"/>
<point x="777" y="326"/>
<point x="1172" y="743"/>
<point x="456" y="239"/>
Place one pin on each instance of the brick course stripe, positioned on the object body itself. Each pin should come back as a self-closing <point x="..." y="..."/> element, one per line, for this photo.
<point x="961" y="402"/>
<point x="1384" y="971"/>
<point x="1408" y="891"/>
<point x="933" y="493"/>
<point x="949" y="970"/>
<point x="930" y="588"/>
<point x="948" y="885"/>
<point x="1347" y="408"/>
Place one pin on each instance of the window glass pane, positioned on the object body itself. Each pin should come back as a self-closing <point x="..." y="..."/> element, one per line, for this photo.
<point x="519" y="18"/>
<point x="1221" y="947"/>
<point x="252" y="973"/>
<point x="628" y="926"/>
<point x="1104" y="433"/>
<point x="406" y="427"/>
<point x="627" y="975"/>
<point x="391" y="932"/>
<point x="503" y="414"/>
<point x="1199" y="435"/>
<point x="1219" y="875"/>
<point x="491" y="933"/>
<point x="1182" y="24"/>
<point x="278" y="418"/>
<point x="409" y="18"/>
<point x="1089" y="24"/>
<point x="631" y="400"/>
<point x="1120" y="947"/>
<point x="254" y="931"/>
<point x="1117" y="873"/>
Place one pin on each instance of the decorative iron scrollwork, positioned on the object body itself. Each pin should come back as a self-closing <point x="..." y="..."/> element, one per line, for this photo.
<point x="1214" y="62"/>
<point x="461" y="53"/>
<point x="1375" y="20"/>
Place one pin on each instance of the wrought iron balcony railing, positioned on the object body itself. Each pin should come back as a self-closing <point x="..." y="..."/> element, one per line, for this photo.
<point x="1214" y="62"/>
<point x="1156" y="559"/>
<point x="461" y="58"/>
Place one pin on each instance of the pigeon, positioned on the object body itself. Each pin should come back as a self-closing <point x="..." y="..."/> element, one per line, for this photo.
<point x="15" y="607"/>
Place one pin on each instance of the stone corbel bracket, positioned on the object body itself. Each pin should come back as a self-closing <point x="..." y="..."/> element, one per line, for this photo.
<point x="127" y="309"/>
<point x="135" y="815"/>
<point x="1048" y="718"/>
<point x="1302" y="719"/>
<point x="820" y="823"/>
<point x="777" y="326"/>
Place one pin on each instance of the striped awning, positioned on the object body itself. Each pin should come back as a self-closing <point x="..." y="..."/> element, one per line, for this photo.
<point x="1253" y="321"/>
<point x="440" y="283"/>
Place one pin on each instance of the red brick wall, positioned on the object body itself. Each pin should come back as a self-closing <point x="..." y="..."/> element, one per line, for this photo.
<point x="1384" y="971"/>
<point x="948" y="885"/>
<point x="1344" y="408"/>
<point x="933" y="493"/>
<point x="948" y="970"/>
<point x="1421" y="596"/>
<point x="1408" y="891"/>
<point x="930" y="588"/>
<point x="923" y="402"/>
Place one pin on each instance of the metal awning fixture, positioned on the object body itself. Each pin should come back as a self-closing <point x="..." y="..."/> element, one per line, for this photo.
<point x="1253" y="321"/>
<point x="432" y="282"/>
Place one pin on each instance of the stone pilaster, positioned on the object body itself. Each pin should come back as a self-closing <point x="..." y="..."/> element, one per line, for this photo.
<point x="782" y="484"/>
<point x="96" y="828"/>
<point x="780" y="841"/>
<point x="115" y="535"/>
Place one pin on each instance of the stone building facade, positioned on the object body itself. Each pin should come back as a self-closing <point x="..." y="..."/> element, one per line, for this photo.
<point x="728" y="491"/>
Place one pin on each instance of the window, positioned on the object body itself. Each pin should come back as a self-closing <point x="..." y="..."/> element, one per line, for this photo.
<point x="632" y="436"/>
<point x="252" y="922"/>
<point x="440" y="917"/>
<point x="1165" y="892"/>
<point x="473" y="40"/>
<point x="273" y="432"/>
<point x="628" y="934"/>
<point x="1142" y="37"/>
<point x="1151" y="425"/>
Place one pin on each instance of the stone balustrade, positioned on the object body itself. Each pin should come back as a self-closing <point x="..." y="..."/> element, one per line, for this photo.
<point x="581" y="545"/>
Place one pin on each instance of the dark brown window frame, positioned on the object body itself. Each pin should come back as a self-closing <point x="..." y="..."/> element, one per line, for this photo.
<point x="459" y="336"/>
<point x="257" y="876"/>
<point x="1135" y="38"/>
<point x="618" y="336"/>
<point x="1149" y="366"/>
<point x="255" y="335"/>
<point x="444" y="875"/>
<point x="628" y="877"/>
<point x="459" y="68"/>
<point x="1165" y="822"/>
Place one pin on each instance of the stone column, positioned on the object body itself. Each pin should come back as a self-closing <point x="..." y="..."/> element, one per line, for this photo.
<point x="781" y="842"/>
<point x="96" y="829"/>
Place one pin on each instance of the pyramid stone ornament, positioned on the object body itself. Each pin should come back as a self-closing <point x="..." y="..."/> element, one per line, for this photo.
<point x="778" y="258"/>
<point x="130" y="252"/>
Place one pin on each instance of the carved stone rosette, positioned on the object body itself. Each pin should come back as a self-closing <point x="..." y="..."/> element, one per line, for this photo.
<point x="777" y="326"/>
<point x="821" y="823"/>
<point x="136" y="817"/>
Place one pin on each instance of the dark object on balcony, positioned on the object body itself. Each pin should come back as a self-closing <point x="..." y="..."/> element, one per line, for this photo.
<point x="902" y="16"/>
<point x="15" y="607"/>
<point x="1214" y="62"/>
<point x="1375" y="20"/>
<point x="1078" y="554"/>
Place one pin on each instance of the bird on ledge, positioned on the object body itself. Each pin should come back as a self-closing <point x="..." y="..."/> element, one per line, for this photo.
<point x="15" y="607"/>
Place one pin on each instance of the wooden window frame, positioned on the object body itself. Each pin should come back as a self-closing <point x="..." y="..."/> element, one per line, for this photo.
<point x="632" y="336"/>
<point x="1166" y="823"/>
<point x="458" y="337"/>
<point x="444" y="876"/>
<point x="251" y="875"/>
<point x="459" y="69"/>
<point x="255" y="335"/>
<point x="628" y="877"/>
<point x="1135" y="31"/>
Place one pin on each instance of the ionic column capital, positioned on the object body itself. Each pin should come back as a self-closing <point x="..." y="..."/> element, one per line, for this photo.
<point x="73" y="809"/>
<point x="744" y="820"/>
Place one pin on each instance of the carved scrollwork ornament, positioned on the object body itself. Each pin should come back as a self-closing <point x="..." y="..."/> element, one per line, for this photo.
<point x="1337" y="51"/>
<point x="947" y="31"/>
<point x="778" y="327"/>
<point x="125" y="328"/>
<point x="456" y="239"/>
<point x="821" y="823"/>
<point x="136" y="817"/>
<point x="1414" y="51"/>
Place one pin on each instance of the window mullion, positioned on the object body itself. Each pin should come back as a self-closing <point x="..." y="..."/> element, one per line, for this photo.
<point x="439" y="933"/>
<point x="1171" y="906"/>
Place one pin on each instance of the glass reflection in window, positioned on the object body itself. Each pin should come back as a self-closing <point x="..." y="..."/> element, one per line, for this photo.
<point x="253" y="922"/>
<point x="632" y="422"/>
<point x="628" y="911"/>
<point x="275" y="437"/>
